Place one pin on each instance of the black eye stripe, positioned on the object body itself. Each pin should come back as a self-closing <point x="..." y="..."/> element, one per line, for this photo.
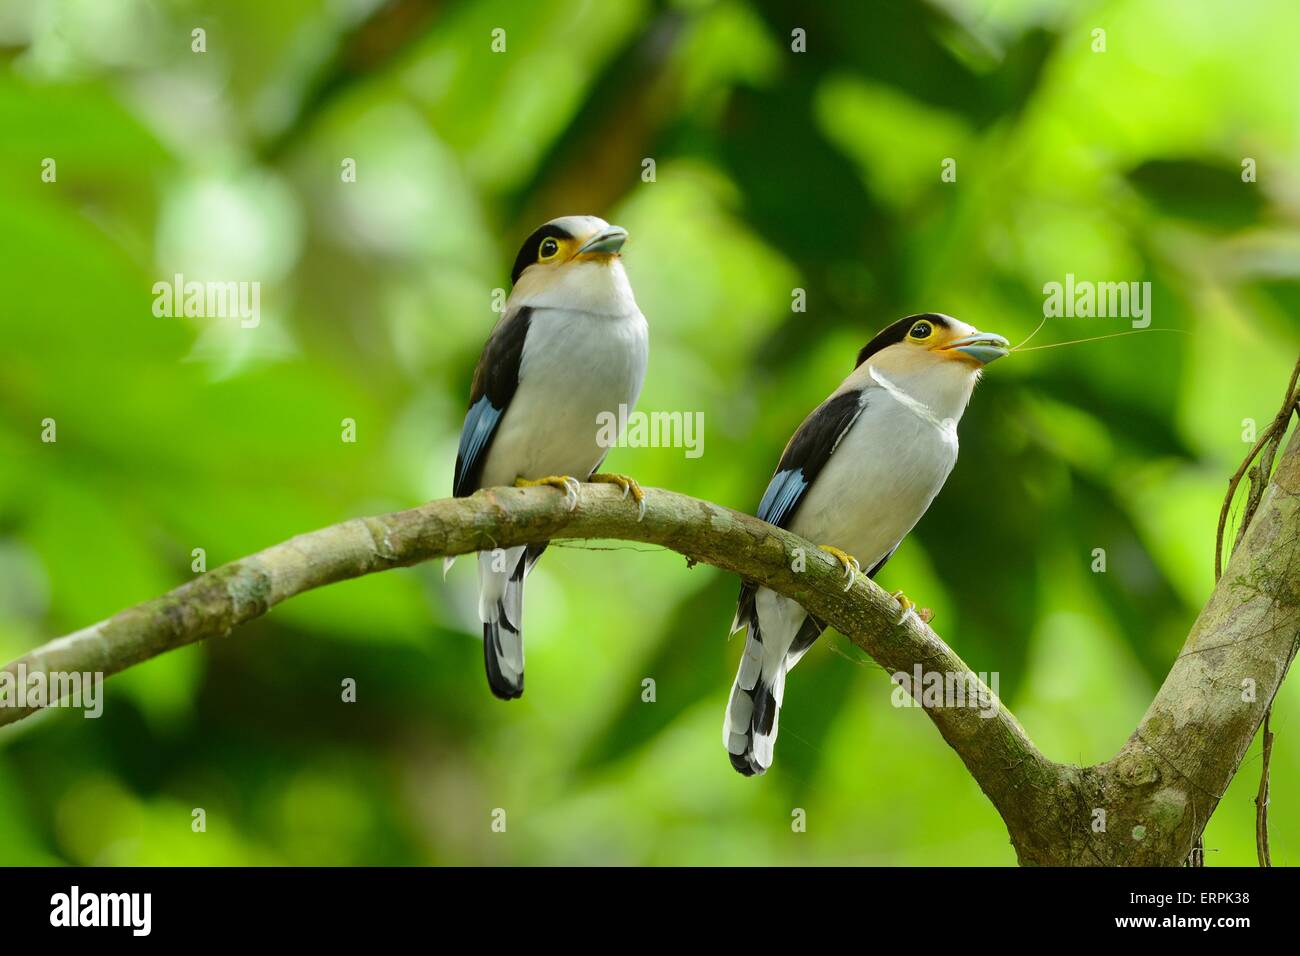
<point x="529" y="251"/>
<point x="896" y="332"/>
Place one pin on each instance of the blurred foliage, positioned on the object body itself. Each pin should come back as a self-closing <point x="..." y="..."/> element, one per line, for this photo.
<point x="775" y="170"/>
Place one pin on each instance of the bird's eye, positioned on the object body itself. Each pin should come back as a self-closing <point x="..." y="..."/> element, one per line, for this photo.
<point x="549" y="249"/>
<point x="922" y="330"/>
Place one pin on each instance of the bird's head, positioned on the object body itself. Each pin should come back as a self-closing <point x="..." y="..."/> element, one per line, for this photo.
<point x="573" y="263"/>
<point x="935" y="341"/>
<point x="936" y="357"/>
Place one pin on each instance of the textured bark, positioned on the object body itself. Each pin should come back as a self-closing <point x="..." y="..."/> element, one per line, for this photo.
<point x="1157" y="793"/>
<point x="1174" y="769"/>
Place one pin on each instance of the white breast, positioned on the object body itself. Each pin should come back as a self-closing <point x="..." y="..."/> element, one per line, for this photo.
<point x="879" y="481"/>
<point x="575" y="366"/>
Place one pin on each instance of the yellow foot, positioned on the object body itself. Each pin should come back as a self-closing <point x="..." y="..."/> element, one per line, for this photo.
<point x="851" y="566"/>
<point x="924" y="614"/>
<point x="566" y="483"/>
<point x="629" y="486"/>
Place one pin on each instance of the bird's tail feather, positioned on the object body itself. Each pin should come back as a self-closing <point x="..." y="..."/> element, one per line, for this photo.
<point x="749" y="730"/>
<point x="754" y="709"/>
<point x="501" y="608"/>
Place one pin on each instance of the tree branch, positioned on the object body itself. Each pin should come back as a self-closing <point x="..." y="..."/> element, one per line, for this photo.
<point x="1179" y="762"/>
<point x="1157" y="793"/>
<point x="1259" y="474"/>
<point x="995" y="749"/>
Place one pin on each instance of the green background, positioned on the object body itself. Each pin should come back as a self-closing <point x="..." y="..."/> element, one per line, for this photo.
<point x="775" y="170"/>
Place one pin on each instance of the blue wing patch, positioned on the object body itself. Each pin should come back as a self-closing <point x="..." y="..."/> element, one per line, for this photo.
<point x="495" y="381"/>
<point x="783" y="493"/>
<point x="811" y="447"/>
<point x="480" y="423"/>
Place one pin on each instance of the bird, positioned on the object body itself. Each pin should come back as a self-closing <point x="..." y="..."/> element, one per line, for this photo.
<point x="570" y="346"/>
<point x="856" y="477"/>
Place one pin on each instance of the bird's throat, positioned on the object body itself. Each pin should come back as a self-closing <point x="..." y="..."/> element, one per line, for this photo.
<point x="948" y="426"/>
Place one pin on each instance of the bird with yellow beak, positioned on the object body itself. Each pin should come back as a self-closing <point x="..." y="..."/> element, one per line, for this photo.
<point x="571" y="345"/>
<point x="856" y="478"/>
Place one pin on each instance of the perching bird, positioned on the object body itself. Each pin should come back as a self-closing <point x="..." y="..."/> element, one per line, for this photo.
<point x="571" y="345"/>
<point x="856" y="478"/>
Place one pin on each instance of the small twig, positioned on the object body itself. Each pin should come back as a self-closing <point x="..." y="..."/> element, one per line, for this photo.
<point x="1261" y="798"/>
<point x="583" y="545"/>
<point x="1266" y="448"/>
<point x="1233" y="482"/>
<point x="1272" y="433"/>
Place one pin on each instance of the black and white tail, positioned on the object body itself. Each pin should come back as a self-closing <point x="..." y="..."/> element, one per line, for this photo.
<point x="749" y="730"/>
<point x="754" y="709"/>
<point x="501" y="576"/>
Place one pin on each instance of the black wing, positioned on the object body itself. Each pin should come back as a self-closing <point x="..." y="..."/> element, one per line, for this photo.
<point x="804" y="458"/>
<point x="495" y="380"/>
<point x="806" y="455"/>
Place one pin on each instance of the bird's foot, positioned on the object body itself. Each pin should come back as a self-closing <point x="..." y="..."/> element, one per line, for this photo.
<point x="629" y="486"/>
<point x="566" y="483"/>
<point x="925" y="615"/>
<point x="851" y="566"/>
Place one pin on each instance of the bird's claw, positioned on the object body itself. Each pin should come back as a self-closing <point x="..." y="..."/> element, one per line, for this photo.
<point x="629" y="486"/>
<point x="924" y="615"/>
<point x="566" y="483"/>
<point x="851" y="565"/>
